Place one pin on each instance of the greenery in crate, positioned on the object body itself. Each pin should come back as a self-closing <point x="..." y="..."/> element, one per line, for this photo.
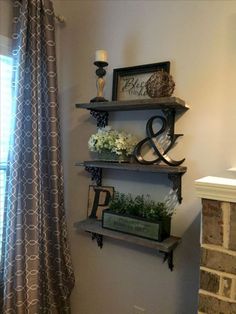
<point x="140" y="206"/>
<point x="109" y="140"/>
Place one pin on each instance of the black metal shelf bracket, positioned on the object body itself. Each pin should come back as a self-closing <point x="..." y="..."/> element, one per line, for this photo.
<point x="99" y="238"/>
<point x="176" y="184"/>
<point x="170" y="115"/>
<point x="168" y="257"/>
<point x="96" y="174"/>
<point x="170" y="119"/>
<point x="101" y="117"/>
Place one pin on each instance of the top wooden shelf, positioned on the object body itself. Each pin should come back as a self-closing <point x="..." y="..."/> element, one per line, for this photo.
<point x="143" y="104"/>
<point x="132" y="166"/>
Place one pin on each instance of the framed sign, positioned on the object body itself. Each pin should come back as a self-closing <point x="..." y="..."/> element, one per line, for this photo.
<point x="129" y="83"/>
<point x="98" y="199"/>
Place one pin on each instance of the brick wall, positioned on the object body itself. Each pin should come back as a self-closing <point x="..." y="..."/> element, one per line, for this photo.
<point x="217" y="293"/>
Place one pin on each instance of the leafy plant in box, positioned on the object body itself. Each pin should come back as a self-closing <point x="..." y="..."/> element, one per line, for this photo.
<point x="140" y="206"/>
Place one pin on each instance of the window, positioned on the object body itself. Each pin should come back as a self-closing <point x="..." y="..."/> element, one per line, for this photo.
<point x="5" y="117"/>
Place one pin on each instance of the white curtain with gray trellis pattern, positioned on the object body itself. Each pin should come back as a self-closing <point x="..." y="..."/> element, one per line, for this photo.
<point x="36" y="274"/>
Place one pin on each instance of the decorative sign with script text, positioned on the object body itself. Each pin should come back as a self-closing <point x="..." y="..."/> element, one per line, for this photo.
<point x="133" y="87"/>
<point x="130" y="83"/>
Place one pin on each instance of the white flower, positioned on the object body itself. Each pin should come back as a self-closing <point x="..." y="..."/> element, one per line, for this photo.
<point x="108" y="139"/>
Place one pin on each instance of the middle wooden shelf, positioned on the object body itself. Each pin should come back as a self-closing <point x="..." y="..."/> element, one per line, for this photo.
<point x="94" y="167"/>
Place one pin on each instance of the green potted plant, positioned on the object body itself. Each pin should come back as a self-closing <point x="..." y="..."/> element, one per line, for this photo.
<point x="140" y="216"/>
<point x="112" y="145"/>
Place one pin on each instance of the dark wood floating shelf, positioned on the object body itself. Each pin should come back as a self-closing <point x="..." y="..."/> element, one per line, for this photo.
<point x="144" y="104"/>
<point x="165" y="247"/>
<point x="133" y="167"/>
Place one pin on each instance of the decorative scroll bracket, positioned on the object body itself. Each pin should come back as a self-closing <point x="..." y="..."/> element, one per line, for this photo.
<point x="99" y="239"/>
<point x="96" y="174"/>
<point x="170" y="119"/>
<point x="177" y="185"/>
<point x="168" y="257"/>
<point x="101" y="117"/>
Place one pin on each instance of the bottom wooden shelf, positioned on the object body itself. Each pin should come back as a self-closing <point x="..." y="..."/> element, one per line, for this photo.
<point x="165" y="247"/>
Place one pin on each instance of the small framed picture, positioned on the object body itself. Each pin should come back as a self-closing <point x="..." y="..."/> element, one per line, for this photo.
<point x="98" y="199"/>
<point x="129" y="83"/>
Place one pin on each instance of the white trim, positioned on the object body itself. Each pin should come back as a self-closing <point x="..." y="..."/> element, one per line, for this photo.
<point x="232" y="169"/>
<point x="219" y="297"/>
<point x="233" y="290"/>
<point x="218" y="249"/>
<point x="5" y="45"/>
<point x="219" y="273"/>
<point x="225" y="206"/>
<point x="216" y="188"/>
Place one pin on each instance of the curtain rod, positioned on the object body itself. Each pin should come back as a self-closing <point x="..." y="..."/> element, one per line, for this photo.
<point x="60" y="18"/>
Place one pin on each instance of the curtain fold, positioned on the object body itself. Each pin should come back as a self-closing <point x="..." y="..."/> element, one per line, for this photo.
<point x="36" y="274"/>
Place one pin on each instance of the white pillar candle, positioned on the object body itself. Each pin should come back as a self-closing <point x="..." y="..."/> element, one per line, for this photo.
<point x="101" y="55"/>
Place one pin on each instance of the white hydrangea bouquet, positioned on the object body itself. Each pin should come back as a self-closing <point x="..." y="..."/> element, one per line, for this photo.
<point x="111" y="144"/>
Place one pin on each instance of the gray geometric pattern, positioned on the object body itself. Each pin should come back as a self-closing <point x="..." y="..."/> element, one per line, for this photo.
<point x="36" y="274"/>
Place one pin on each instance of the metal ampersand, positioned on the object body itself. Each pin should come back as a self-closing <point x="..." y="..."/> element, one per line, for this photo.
<point x="158" y="149"/>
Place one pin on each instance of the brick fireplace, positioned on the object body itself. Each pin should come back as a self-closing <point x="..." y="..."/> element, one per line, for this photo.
<point x="217" y="292"/>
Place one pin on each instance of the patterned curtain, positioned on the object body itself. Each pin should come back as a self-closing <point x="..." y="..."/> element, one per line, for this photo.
<point x="36" y="274"/>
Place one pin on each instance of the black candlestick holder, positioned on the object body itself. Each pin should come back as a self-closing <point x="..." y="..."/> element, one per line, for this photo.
<point x="101" y="72"/>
